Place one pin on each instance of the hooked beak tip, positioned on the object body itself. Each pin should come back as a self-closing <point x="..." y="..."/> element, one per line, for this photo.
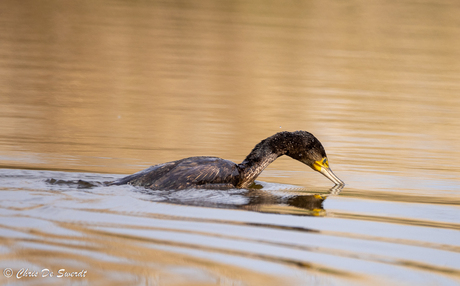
<point x="331" y="176"/>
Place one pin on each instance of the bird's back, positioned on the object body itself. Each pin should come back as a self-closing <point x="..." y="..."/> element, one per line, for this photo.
<point x="193" y="172"/>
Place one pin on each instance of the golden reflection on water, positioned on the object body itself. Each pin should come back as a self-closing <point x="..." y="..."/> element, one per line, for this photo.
<point x="151" y="265"/>
<point x="107" y="88"/>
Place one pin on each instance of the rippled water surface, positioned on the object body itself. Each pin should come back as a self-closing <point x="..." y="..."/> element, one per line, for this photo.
<point x="93" y="90"/>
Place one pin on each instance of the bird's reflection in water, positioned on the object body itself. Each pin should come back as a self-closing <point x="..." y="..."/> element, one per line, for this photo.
<point x="261" y="197"/>
<point x="279" y="201"/>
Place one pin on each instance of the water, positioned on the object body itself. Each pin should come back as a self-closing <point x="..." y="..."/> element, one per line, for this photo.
<point x="93" y="90"/>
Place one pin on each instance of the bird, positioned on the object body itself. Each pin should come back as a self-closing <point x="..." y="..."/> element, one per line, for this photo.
<point x="206" y="172"/>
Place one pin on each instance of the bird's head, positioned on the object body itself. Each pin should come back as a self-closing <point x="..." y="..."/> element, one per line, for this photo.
<point x="308" y="150"/>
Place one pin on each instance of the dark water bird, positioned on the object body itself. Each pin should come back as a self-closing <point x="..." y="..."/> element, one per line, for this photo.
<point x="215" y="173"/>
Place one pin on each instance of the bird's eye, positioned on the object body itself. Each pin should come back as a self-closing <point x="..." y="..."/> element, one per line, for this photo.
<point x="324" y="161"/>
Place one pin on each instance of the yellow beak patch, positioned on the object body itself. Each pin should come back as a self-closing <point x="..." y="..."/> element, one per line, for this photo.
<point x="323" y="163"/>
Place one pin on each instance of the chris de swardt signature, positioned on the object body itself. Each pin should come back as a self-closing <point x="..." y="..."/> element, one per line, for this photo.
<point x="45" y="272"/>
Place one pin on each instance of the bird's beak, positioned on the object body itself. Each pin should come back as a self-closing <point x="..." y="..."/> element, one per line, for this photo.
<point x="323" y="167"/>
<point x="331" y="176"/>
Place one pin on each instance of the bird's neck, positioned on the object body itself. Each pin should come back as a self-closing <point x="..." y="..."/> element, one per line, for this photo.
<point x="260" y="157"/>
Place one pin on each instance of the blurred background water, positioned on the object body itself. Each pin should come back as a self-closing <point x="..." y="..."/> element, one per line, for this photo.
<point x="93" y="90"/>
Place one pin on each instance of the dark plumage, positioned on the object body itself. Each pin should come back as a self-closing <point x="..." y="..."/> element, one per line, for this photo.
<point x="216" y="173"/>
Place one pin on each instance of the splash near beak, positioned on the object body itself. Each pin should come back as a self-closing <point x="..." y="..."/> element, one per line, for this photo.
<point x="323" y="167"/>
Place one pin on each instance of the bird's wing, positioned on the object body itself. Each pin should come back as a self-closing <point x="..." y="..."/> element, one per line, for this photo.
<point x="147" y="176"/>
<point x="186" y="173"/>
<point x="199" y="172"/>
